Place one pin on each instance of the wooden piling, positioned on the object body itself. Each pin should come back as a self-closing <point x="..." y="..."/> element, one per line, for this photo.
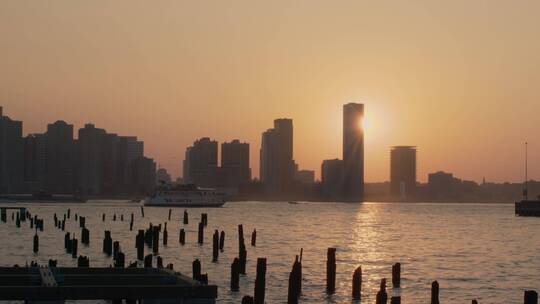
<point x="204" y="219"/>
<point x="474" y="302"/>
<point x="222" y="241"/>
<point x="170" y="211"/>
<point x="165" y="236"/>
<point x="200" y="238"/>
<point x="254" y="238"/>
<point x="382" y="296"/>
<point x="139" y="243"/>
<point x="67" y="240"/>
<point x="530" y="297"/>
<point x="435" y="292"/>
<point x="396" y="275"/>
<point x="85" y="236"/>
<point x="155" y="240"/>
<point x="36" y="243"/>
<point x="357" y="284"/>
<point x="186" y="218"/>
<point x="159" y="262"/>
<point x="103" y="217"/>
<point x="331" y="271"/>
<point x="83" y="261"/>
<point x="142" y="211"/>
<point x="182" y="237"/>
<point x="74" y="245"/>
<point x="247" y="300"/>
<point x="235" y="275"/>
<point x="395" y="300"/>
<point x="260" y="282"/>
<point x="215" y="246"/>
<point x="107" y="243"/>
<point x="196" y="269"/>
<point x="116" y="249"/>
<point x="148" y="261"/>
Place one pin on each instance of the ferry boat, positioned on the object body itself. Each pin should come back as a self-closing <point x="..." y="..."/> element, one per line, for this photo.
<point x="527" y="207"/>
<point x="185" y="196"/>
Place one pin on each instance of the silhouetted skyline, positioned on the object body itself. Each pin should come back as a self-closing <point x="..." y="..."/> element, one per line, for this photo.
<point x="452" y="78"/>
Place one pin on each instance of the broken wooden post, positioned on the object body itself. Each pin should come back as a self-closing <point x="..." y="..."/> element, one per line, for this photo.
<point x="155" y="240"/>
<point x="222" y="240"/>
<point x="83" y="261"/>
<point x="235" y="275"/>
<point x="165" y="235"/>
<point x="215" y="246"/>
<point x="196" y="268"/>
<point x="254" y="238"/>
<point x="331" y="271"/>
<point x="148" y="261"/>
<point x="247" y="300"/>
<point x="200" y="238"/>
<point x="159" y="262"/>
<point x="530" y="297"/>
<point x="395" y="300"/>
<point x="120" y="260"/>
<point x="435" y="292"/>
<point x="103" y="217"/>
<point x="36" y="243"/>
<point x="116" y="249"/>
<point x="74" y="245"/>
<point x="67" y="239"/>
<point x="396" y="275"/>
<point x="139" y="243"/>
<point x="474" y="302"/>
<point x="170" y="211"/>
<point x="382" y="296"/>
<point x="357" y="284"/>
<point x="82" y="221"/>
<point x="260" y="281"/>
<point x="122" y="217"/>
<point x="142" y="211"/>
<point x="107" y="243"/>
<point x="186" y="218"/>
<point x="182" y="237"/>
<point x="18" y="221"/>
<point x="85" y="236"/>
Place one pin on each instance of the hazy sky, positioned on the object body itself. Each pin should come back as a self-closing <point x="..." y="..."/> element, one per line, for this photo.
<point x="458" y="79"/>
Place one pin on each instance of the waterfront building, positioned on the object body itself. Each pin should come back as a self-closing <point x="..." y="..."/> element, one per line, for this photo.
<point x="403" y="171"/>
<point x="235" y="163"/>
<point x="353" y="152"/>
<point x="276" y="158"/>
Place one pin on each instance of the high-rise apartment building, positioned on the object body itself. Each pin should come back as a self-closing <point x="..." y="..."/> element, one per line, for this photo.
<point x="353" y="152"/>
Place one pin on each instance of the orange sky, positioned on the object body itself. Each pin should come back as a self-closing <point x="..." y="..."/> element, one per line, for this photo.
<point x="458" y="79"/>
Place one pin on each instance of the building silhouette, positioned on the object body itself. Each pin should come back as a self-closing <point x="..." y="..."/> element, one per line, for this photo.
<point x="162" y="176"/>
<point x="200" y="163"/>
<point x="276" y="158"/>
<point x="305" y="176"/>
<point x="353" y="152"/>
<point x="60" y="158"/>
<point x="35" y="162"/>
<point x="11" y="155"/>
<point x="235" y="168"/>
<point x="332" y="179"/>
<point x="403" y="171"/>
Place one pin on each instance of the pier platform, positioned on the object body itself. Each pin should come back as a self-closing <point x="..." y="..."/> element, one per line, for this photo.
<point x="143" y="285"/>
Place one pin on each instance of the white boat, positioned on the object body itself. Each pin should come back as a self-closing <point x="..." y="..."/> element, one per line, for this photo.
<point x="185" y="196"/>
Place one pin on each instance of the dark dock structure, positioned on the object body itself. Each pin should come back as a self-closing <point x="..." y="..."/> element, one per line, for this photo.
<point x="46" y="284"/>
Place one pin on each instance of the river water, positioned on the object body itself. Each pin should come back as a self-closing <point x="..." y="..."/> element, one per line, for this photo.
<point x="474" y="251"/>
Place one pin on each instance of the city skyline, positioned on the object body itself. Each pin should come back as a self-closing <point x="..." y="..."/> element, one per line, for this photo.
<point x="452" y="78"/>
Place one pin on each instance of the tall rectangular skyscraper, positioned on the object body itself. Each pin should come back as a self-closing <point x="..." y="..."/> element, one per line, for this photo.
<point x="235" y="163"/>
<point x="353" y="152"/>
<point x="277" y="165"/>
<point x="402" y="171"/>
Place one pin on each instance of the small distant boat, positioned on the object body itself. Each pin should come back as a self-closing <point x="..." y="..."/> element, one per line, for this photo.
<point x="527" y="207"/>
<point x="185" y="196"/>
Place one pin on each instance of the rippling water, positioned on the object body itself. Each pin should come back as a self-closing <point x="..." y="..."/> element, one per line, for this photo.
<point x="475" y="251"/>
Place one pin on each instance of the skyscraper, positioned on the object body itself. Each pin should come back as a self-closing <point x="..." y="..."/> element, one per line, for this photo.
<point x="277" y="164"/>
<point x="353" y="152"/>
<point x="200" y="164"/>
<point x="235" y="163"/>
<point x="91" y="141"/>
<point x="332" y="178"/>
<point x="11" y="155"/>
<point x="402" y="171"/>
<point x="60" y="162"/>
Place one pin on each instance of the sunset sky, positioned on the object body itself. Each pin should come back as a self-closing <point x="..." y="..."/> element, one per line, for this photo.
<point x="458" y="79"/>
